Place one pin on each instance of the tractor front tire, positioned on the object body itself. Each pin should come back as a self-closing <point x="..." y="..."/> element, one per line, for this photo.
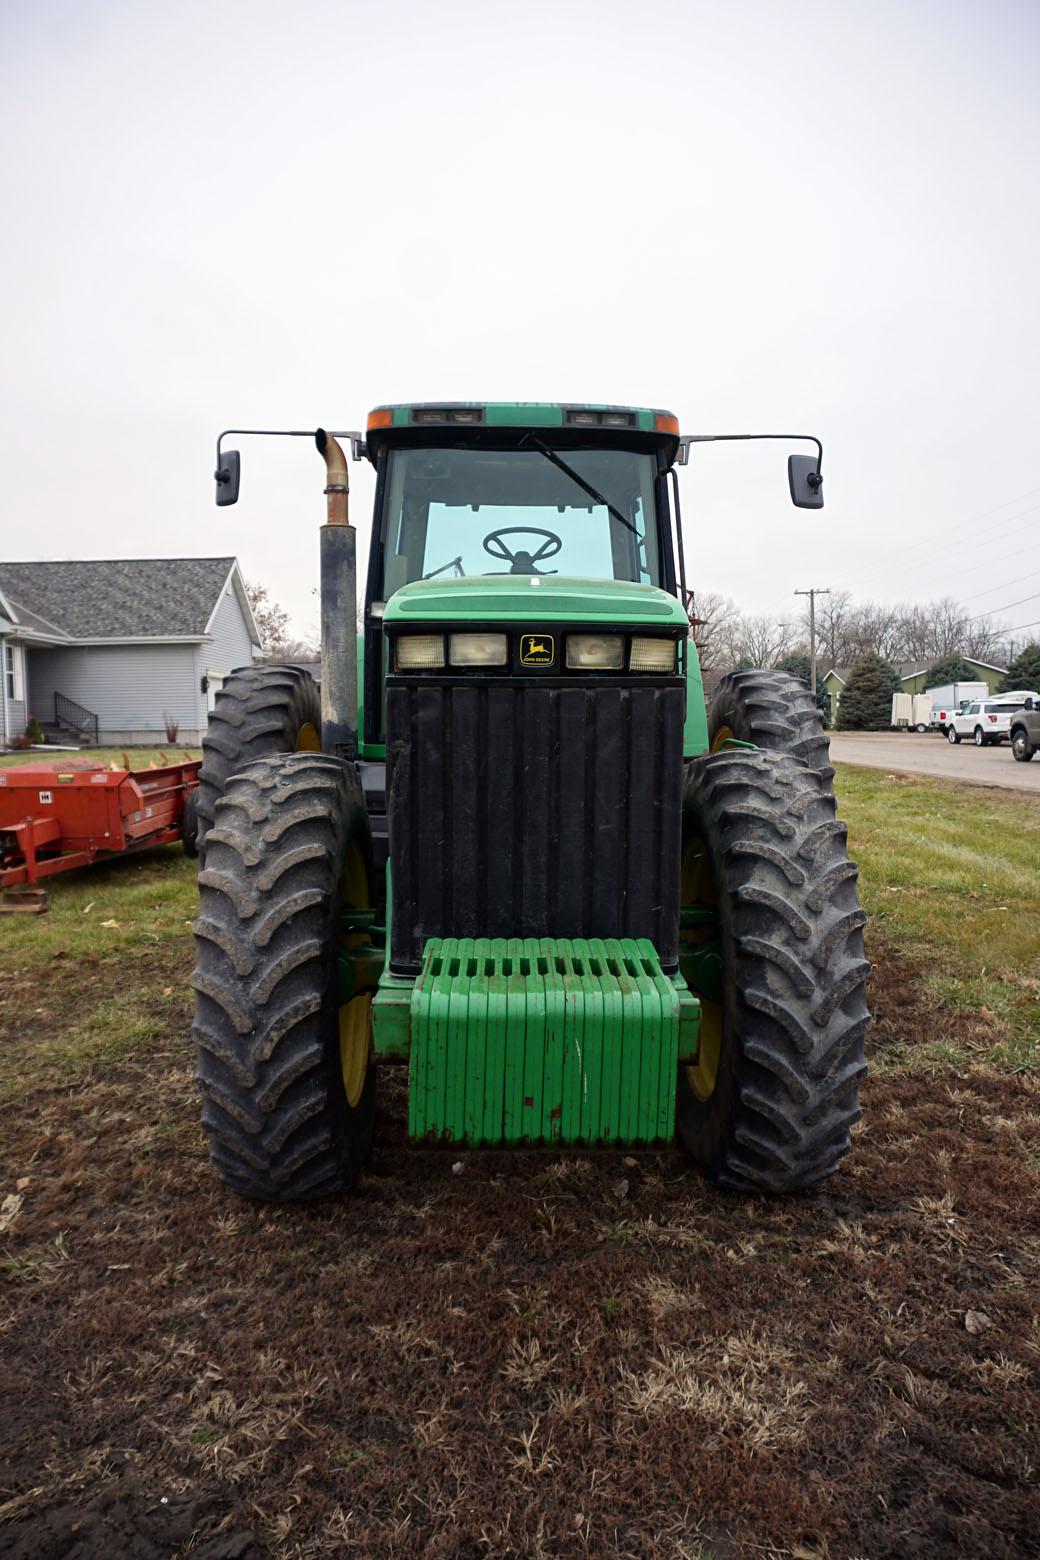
<point x="285" y="1069"/>
<point x="260" y="710"/>
<point x="771" y="1100"/>
<point x="773" y="711"/>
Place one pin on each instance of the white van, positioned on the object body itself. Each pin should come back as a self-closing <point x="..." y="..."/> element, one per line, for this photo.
<point x="988" y="720"/>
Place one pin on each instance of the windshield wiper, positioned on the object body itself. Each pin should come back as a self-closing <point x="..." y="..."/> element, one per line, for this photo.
<point x="586" y="487"/>
<point x="452" y="563"/>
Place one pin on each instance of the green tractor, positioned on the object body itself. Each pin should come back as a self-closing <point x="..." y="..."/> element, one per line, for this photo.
<point x="508" y="847"/>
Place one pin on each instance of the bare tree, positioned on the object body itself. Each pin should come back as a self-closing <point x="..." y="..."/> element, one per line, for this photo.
<point x="846" y="630"/>
<point x="986" y="641"/>
<point x="273" y="623"/>
<point x="832" y="618"/>
<point x="714" y="620"/>
<point x="761" y="640"/>
<point x="271" y="619"/>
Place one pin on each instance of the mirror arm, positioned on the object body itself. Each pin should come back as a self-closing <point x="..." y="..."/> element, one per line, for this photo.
<point x="357" y="441"/>
<point x="815" y="478"/>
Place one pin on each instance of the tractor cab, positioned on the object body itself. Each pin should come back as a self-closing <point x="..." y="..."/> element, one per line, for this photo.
<point x="517" y="493"/>
<point x="542" y="492"/>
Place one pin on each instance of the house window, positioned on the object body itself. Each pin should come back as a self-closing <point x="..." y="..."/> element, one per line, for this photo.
<point x="13" y="671"/>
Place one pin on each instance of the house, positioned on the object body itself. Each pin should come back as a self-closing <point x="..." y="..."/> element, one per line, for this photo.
<point x="112" y="651"/>
<point x="914" y="678"/>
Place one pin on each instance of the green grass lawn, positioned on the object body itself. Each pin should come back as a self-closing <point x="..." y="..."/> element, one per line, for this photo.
<point x="950" y="876"/>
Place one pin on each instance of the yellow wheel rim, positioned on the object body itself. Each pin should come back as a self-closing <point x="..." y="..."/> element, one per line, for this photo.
<point x="354" y="1026"/>
<point x="307" y="739"/>
<point x="721" y="737"/>
<point x="355" y="1016"/>
<point x="698" y="887"/>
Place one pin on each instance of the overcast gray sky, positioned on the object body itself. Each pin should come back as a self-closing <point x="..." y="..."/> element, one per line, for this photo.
<point x="762" y="216"/>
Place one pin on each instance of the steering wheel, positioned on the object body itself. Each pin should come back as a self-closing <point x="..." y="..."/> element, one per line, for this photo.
<point x="521" y="562"/>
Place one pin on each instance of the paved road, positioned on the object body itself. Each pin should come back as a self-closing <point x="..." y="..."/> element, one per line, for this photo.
<point x="907" y="753"/>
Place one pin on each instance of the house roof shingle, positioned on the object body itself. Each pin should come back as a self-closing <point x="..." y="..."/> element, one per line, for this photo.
<point x="121" y="598"/>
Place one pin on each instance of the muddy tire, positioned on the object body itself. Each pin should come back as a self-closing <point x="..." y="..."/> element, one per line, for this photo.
<point x="190" y="823"/>
<point x="260" y="710"/>
<point x="762" y="842"/>
<point x="288" y="851"/>
<point x="776" y="712"/>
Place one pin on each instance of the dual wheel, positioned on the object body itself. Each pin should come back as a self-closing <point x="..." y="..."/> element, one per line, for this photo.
<point x="772" y="943"/>
<point x="283" y="991"/>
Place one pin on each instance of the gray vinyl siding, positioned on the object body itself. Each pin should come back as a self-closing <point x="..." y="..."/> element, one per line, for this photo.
<point x="231" y="645"/>
<point x="130" y="688"/>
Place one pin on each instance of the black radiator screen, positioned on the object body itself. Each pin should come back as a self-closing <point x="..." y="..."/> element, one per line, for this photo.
<point x="533" y="809"/>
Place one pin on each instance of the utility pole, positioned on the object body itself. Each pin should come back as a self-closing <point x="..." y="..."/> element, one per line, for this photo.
<point x="812" y="595"/>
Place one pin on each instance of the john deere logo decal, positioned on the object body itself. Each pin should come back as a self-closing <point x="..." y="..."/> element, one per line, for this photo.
<point x="537" y="649"/>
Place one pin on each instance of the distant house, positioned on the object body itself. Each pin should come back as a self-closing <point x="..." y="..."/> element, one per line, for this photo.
<point x="109" y="651"/>
<point x="914" y="678"/>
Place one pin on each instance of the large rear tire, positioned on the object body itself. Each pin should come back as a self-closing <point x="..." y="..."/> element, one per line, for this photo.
<point x="769" y="1104"/>
<point x="284" y="1067"/>
<point x="260" y="710"/>
<point x="774" y="711"/>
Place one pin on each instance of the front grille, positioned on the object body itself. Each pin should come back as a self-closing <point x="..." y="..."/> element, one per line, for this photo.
<point x="540" y="808"/>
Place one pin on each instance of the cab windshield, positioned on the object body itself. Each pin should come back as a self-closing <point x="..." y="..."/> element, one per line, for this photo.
<point x="461" y="512"/>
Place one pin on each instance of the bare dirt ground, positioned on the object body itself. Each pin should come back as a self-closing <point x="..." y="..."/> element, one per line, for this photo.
<point x="531" y="1356"/>
<point x="909" y="752"/>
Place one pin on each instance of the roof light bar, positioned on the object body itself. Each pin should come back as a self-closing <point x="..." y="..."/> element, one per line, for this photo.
<point x="587" y="419"/>
<point x="448" y="414"/>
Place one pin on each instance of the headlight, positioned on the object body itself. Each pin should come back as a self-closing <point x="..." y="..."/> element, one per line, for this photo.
<point x="478" y="650"/>
<point x="420" y="652"/>
<point x="596" y="650"/>
<point x="652" y="655"/>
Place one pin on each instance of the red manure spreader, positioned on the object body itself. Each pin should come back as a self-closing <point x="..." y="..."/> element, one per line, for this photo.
<point x="56" y="816"/>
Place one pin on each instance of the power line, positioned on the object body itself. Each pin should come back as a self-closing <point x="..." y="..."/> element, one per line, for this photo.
<point x="898" y="555"/>
<point x="974" y="618"/>
<point x="947" y="531"/>
<point x="990" y="588"/>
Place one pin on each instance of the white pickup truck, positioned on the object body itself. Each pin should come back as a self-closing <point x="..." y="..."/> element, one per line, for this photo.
<point x="948" y="698"/>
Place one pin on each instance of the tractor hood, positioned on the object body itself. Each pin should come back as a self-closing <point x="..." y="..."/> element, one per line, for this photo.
<point x="520" y="598"/>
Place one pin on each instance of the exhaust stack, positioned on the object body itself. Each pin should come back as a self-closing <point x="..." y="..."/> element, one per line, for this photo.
<point x="339" y="702"/>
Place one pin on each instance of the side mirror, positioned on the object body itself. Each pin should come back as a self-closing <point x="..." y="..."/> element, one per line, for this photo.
<point x="227" y="477"/>
<point x="804" y="480"/>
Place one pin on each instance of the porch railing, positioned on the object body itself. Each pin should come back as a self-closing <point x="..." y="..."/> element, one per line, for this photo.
<point x="75" y="718"/>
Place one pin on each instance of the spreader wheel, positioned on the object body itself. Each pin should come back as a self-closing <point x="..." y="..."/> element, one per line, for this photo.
<point x="283" y="997"/>
<point x="260" y="710"/>
<point x="190" y="823"/>
<point x="774" y="711"/>
<point x="772" y="942"/>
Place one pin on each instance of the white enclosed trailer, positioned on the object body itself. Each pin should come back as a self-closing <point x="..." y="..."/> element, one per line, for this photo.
<point x="911" y="711"/>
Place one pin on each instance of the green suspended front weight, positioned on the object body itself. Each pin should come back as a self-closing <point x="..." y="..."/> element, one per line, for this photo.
<point x="545" y="1041"/>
